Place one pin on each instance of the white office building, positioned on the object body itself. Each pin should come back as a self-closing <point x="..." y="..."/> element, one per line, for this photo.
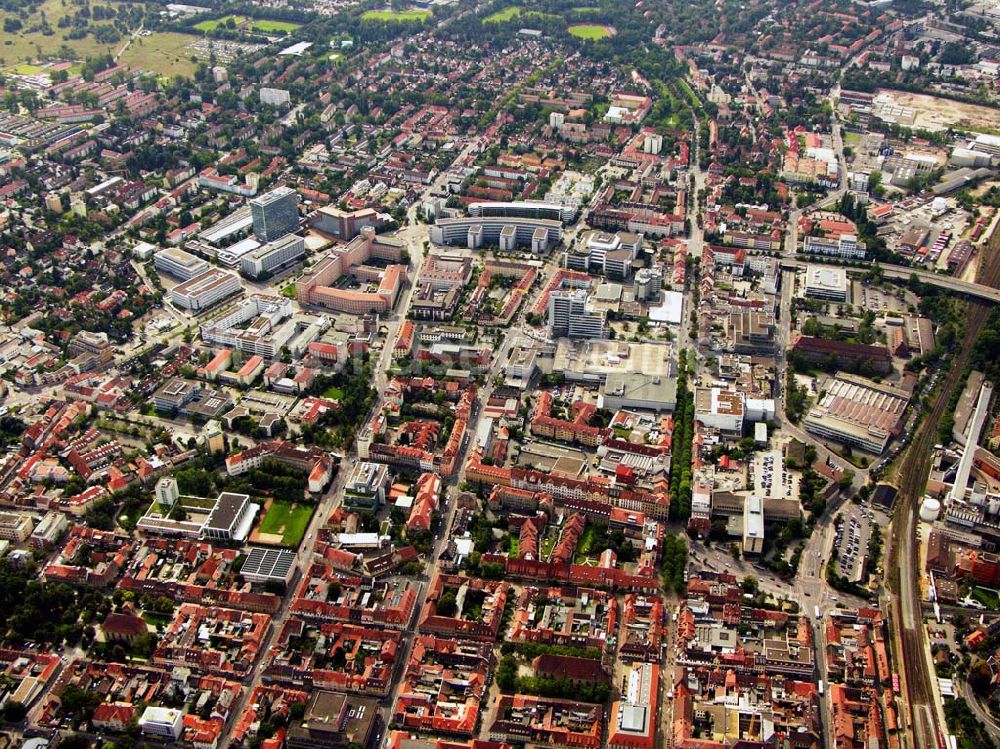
<point x="162" y="722"/>
<point x="205" y="289"/>
<point x="570" y="317"/>
<point x="823" y="282"/>
<point x="273" y="256"/>
<point x="179" y="264"/>
<point x="846" y="246"/>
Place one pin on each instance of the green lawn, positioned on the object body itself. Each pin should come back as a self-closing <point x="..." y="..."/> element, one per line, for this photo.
<point x="287" y="519"/>
<point x="25" y="69"/>
<point x="590" y="31"/>
<point x="333" y="393"/>
<point x="503" y="15"/>
<point x="267" y="26"/>
<point x="396" y="15"/>
<point x="515" y="12"/>
<point x="986" y="597"/>
<point x="289" y="291"/>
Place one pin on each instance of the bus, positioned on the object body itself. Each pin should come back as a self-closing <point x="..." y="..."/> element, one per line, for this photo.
<point x="819" y="686"/>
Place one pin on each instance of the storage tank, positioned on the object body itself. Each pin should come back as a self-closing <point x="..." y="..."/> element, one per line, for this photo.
<point x="930" y="508"/>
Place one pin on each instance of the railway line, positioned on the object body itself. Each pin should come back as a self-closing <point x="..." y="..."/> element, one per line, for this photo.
<point x="902" y="574"/>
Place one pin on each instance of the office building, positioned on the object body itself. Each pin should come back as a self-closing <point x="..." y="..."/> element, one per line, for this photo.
<point x="570" y="317"/>
<point x="179" y="264"/>
<point x="475" y="232"/>
<point x="15" y="526"/>
<point x="753" y="525"/>
<point x="162" y="723"/>
<point x="273" y="256"/>
<point x="366" y="485"/>
<point x="335" y="721"/>
<point x="824" y="282"/>
<point x="275" y="214"/>
<point x="231" y="511"/>
<point x="648" y="284"/>
<point x="345" y="225"/>
<point x="205" y="289"/>
<point x="609" y="254"/>
<point x="719" y="409"/>
<point x="846" y="246"/>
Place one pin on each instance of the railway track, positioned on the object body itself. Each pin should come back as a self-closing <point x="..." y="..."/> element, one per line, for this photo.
<point x="913" y="471"/>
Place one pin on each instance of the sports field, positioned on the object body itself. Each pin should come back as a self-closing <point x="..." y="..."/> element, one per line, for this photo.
<point x="287" y="520"/>
<point x="591" y="31"/>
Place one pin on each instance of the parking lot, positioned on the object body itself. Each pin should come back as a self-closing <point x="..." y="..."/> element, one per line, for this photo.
<point x="878" y="300"/>
<point x="850" y="539"/>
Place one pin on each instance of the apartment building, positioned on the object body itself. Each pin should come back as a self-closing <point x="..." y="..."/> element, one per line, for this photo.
<point x="204" y="290"/>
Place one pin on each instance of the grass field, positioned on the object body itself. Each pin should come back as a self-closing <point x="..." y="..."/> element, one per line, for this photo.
<point x="164" y="53"/>
<point x="211" y="24"/>
<point x="288" y="520"/>
<point x="29" y="46"/>
<point x="396" y="15"/>
<point x="591" y="31"/>
<point x="333" y="393"/>
<point x="503" y="15"/>
<point x="515" y="12"/>
<point x="267" y="26"/>
<point x="26" y="69"/>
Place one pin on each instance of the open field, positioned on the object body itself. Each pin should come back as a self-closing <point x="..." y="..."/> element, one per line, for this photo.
<point x="936" y="113"/>
<point x="30" y="45"/>
<point x="165" y="53"/>
<point x="396" y="15"/>
<point x="267" y="26"/>
<point x="211" y="24"/>
<point x="591" y="31"/>
<point x="161" y="53"/>
<point x="515" y="12"/>
<point x="288" y="520"/>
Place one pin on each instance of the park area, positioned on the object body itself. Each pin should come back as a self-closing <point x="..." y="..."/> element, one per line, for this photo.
<point x="262" y="25"/>
<point x="591" y="31"/>
<point x="513" y="12"/>
<point x="162" y="53"/>
<point x="396" y="15"/>
<point x="284" y="523"/>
